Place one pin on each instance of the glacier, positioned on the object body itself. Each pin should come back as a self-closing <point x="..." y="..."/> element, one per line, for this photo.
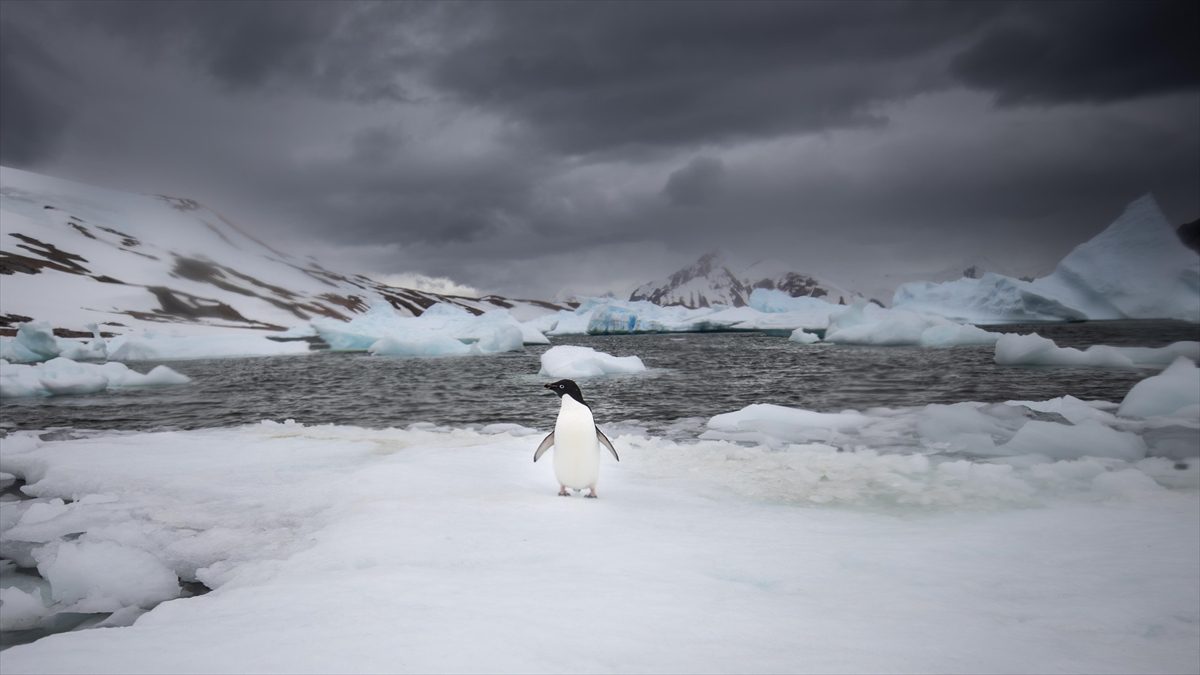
<point x="1137" y="268"/>
<point x="441" y="330"/>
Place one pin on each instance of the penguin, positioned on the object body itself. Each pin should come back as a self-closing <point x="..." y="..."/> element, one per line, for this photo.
<point x="576" y="440"/>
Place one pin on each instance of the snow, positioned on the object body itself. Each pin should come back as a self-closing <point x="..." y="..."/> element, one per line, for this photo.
<point x="1171" y="392"/>
<point x="343" y="549"/>
<point x="870" y="324"/>
<point x="442" y="330"/>
<point x="1137" y="268"/>
<point x="144" y="264"/>
<point x="156" y="346"/>
<point x="104" y="576"/>
<point x="571" y="362"/>
<point x="1035" y="350"/>
<point x="61" y="376"/>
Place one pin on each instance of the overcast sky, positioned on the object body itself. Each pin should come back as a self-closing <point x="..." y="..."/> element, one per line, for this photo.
<point x="534" y="149"/>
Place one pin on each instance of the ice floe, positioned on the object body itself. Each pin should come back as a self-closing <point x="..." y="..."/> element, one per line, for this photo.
<point x="428" y="537"/>
<point x="1035" y="350"/>
<point x="61" y="376"/>
<point x="569" y="361"/>
<point x="1174" y="391"/>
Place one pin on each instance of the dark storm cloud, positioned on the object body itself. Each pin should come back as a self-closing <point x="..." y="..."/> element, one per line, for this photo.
<point x="696" y="182"/>
<point x="465" y="139"/>
<point x="1054" y="52"/>
<point x="31" y="117"/>
<point x="593" y="76"/>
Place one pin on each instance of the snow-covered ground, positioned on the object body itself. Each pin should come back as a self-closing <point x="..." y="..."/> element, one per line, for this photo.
<point x="782" y="541"/>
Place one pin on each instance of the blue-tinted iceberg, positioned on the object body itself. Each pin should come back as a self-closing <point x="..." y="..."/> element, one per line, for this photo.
<point x="1137" y="268"/>
<point x="870" y="324"/>
<point x="60" y="376"/>
<point x="442" y="330"/>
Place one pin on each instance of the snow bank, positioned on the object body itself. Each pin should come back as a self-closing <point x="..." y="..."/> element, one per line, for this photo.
<point x="442" y="330"/>
<point x="60" y="376"/>
<point x="1171" y="392"/>
<point x="342" y="549"/>
<point x="104" y="576"/>
<point x="1137" y="268"/>
<point x="1035" y="350"/>
<point x="870" y="324"/>
<point x="568" y="361"/>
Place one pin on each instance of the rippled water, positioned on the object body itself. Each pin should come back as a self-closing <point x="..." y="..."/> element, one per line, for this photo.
<point x="692" y="375"/>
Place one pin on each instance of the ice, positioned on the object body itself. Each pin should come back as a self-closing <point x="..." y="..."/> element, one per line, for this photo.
<point x="568" y="361"/>
<point x="606" y="316"/>
<point x="61" y="376"/>
<point x="442" y="330"/>
<point x="154" y="346"/>
<point x="344" y="549"/>
<point x="20" y="610"/>
<point x="34" y="342"/>
<point x="803" y="337"/>
<point x="789" y="424"/>
<point x="870" y="324"/>
<point x="1137" y="268"/>
<point x="1175" y="391"/>
<point x="103" y="576"/>
<point x="419" y="344"/>
<point x="1071" y="441"/>
<point x="1035" y="350"/>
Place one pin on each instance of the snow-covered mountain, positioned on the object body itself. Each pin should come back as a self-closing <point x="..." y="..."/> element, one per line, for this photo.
<point x="709" y="281"/>
<point x="75" y="256"/>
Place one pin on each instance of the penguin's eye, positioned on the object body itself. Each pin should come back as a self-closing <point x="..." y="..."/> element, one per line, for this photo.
<point x="562" y="386"/>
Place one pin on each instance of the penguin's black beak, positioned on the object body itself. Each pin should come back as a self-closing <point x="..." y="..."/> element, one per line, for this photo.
<point x="547" y="386"/>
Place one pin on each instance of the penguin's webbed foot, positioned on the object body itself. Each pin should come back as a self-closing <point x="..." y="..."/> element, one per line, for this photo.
<point x="591" y="493"/>
<point x="563" y="492"/>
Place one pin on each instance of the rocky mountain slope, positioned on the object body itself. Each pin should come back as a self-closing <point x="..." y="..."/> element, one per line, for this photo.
<point x="710" y="281"/>
<point x="78" y="256"/>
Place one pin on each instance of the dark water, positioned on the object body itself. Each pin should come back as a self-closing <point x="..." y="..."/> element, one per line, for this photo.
<point x="692" y="375"/>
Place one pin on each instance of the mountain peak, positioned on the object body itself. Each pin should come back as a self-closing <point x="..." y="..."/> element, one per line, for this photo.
<point x="709" y="281"/>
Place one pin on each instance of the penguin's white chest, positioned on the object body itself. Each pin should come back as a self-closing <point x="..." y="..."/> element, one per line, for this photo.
<point x="576" y="450"/>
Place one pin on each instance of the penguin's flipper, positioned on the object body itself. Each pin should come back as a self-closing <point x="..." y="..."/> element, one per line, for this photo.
<point x="606" y="443"/>
<point x="544" y="446"/>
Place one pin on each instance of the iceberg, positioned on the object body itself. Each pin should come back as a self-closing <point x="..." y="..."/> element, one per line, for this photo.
<point x="568" y="361"/>
<point x="605" y="316"/>
<point x="869" y="324"/>
<point x="61" y="376"/>
<point x="442" y="330"/>
<point x="1035" y="350"/>
<point x="1137" y="268"/>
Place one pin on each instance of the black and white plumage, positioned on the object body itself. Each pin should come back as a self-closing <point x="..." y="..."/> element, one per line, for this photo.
<point x="576" y="441"/>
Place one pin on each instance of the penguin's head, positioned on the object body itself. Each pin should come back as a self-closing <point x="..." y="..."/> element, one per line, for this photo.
<point x="566" y="387"/>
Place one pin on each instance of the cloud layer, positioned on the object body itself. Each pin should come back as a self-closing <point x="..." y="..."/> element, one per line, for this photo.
<point x="544" y="148"/>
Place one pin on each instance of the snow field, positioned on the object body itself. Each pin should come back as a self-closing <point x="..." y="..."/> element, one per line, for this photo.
<point x="424" y="550"/>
